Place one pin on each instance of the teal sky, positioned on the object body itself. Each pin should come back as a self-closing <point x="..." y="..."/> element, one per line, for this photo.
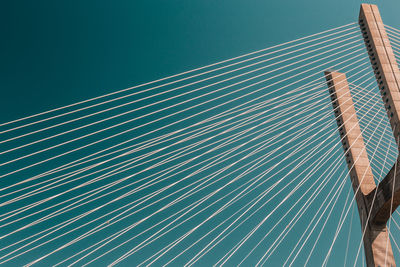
<point x="54" y="53"/>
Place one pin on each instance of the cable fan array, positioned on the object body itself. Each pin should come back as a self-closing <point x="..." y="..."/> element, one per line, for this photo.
<point x="238" y="162"/>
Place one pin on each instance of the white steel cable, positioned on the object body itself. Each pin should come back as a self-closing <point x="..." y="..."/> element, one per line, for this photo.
<point x="140" y="143"/>
<point x="153" y="261"/>
<point x="198" y="255"/>
<point x="14" y="212"/>
<point x="391" y="204"/>
<point x="303" y="233"/>
<point x="168" y="107"/>
<point x="369" y="213"/>
<point x="360" y="183"/>
<point x="179" y="74"/>
<point x="66" y="166"/>
<point x="326" y="220"/>
<point x="181" y="239"/>
<point x="340" y="225"/>
<point x="262" y="258"/>
<point x="59" y="178"/>
<point x="179" y="87"/>
<point x="125" y="131"/>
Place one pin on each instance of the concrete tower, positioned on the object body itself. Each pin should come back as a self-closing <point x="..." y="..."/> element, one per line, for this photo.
<point x="375" y="203"/>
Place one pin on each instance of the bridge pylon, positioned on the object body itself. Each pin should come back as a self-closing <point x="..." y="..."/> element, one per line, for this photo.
<point x="375" y="203"/>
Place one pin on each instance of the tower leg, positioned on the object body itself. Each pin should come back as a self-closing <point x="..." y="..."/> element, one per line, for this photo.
<point x="378" y="250"/>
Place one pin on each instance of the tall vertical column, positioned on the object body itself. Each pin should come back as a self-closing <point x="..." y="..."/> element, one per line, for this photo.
<point x="377" y="246"/>
<point x="349" y="129"/>
<point x="386" y="197"/>
<point x="383" y="62"/>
